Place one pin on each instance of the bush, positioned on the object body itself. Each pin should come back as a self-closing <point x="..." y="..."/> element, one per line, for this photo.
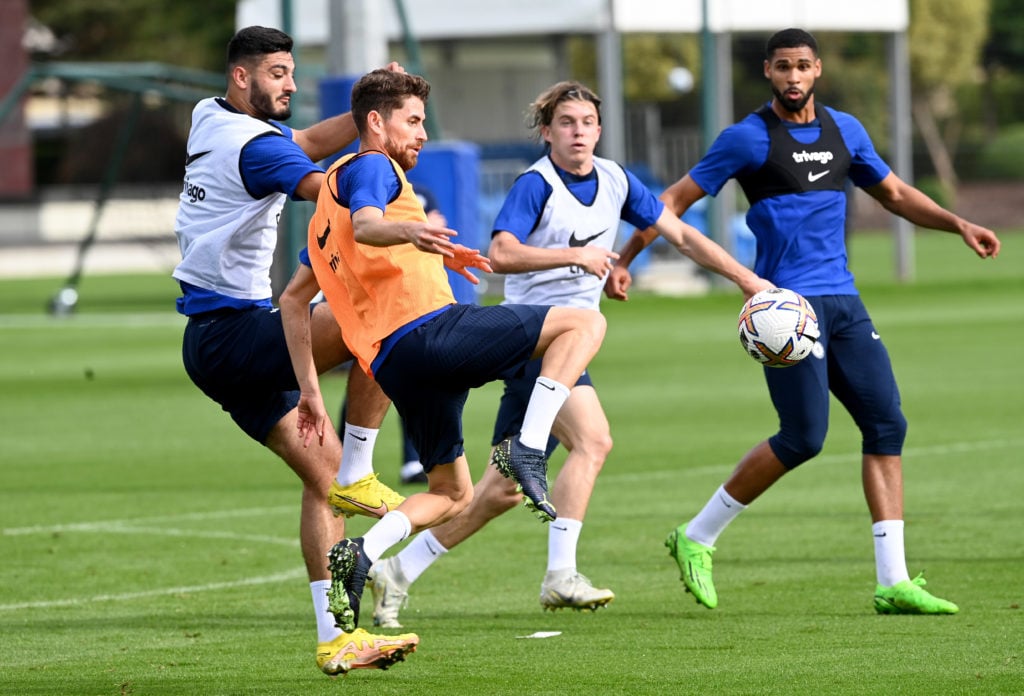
<point x="933" y="187"/>
<point x="1003" y="157"/>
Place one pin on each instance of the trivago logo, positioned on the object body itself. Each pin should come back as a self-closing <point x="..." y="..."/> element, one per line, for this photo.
<point x="823" y="157"/>
<point x="194" y="192"/>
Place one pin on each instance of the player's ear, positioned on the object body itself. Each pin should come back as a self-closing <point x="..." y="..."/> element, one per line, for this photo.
<point x="375" y="121"/>
<point x="240" y="76"/>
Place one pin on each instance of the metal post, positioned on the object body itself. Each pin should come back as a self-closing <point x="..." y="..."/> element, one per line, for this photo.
<point x="609" y="70"/>
<point x="900" y="135"/>
<point x="709" y="114"/>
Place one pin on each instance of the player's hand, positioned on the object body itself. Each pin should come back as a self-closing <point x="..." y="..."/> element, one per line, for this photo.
<point x="433" y="239"/>
<point x="616" y="287"/>
<point x="595" y="260"/>
<point x="463" y="258"/>
<point x="983" y="240"/>
<point x="754" y="286"/>
<point x="312" y="418"/>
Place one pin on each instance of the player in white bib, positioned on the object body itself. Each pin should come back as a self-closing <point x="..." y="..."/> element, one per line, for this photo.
<point x="554" y="239"/>
<point x="241" y="165"/>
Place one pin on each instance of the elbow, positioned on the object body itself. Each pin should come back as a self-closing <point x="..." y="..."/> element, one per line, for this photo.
<point x="500" y="262"/>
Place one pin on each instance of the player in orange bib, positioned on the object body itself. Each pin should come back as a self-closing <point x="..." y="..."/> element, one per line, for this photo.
<point x="381" y="265"/>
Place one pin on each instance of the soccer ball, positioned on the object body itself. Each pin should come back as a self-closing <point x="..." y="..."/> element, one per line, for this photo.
<point x="778" y="327"/>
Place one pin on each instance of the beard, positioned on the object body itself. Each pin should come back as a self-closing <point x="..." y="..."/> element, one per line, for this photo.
<point x="790" y="105"/>
<point x="264" y="104"/>
<point x="406" y="158"/>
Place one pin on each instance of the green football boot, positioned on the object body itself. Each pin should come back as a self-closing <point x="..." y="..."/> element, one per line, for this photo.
<point x="910" y="597"/>
<point x="694" y="566"/>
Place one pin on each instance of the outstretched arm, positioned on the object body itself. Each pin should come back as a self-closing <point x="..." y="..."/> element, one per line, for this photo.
<point x="294" y="304"/>
<point x="900" y="198"/>
<point x="677" y="199"/>
<point x="708" y="253"/>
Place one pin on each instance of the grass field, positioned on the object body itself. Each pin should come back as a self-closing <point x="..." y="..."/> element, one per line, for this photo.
<point x="149" y="548"/>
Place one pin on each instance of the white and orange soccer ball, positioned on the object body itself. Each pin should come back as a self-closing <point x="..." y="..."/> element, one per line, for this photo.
<point x="778" y="327"/>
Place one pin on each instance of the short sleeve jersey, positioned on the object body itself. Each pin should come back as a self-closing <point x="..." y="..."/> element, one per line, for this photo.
<point x="548" y="207"/>
<point x="238" y="172"/>
<point x="377" y="294"/>
<point x="800" y="235"/>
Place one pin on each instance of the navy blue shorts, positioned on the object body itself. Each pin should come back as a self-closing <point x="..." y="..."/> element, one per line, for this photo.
<point x="239" y="359"/>
<point x="516" y="398"/>
<point x="849" y="361"/>
<point x="430" y="370"/>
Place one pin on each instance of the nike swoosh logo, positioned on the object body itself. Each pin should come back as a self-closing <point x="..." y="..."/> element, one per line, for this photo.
<point x="575" y="241"/>
<point x="875" y="335"/>
<point x="321" y="241"/>
<point x="723" y="501"/>
<point x="812" y="177"/>
<point x="378" y="511"/>
<point x="361" y="439"/>
<point x="546" y="386"/>
<point x="879" y="536"/>
<point x="192" y="158"/>
<point x="561" y="529"/>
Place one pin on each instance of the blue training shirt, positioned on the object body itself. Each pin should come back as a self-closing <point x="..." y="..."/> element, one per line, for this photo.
<point x="801" y="242"/>
<point x="521" y="211"/>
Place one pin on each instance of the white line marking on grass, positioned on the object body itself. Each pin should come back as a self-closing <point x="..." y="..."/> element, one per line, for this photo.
<point x="143" y="525"/>
<point x="198" y="534"/>
<point x="113" y="525"/>
<point x="127" y="596"/>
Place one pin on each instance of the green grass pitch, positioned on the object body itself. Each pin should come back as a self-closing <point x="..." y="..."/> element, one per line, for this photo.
<point x="149" y="548"/>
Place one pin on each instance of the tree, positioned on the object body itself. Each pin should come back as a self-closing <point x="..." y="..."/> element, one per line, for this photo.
<point x="1003" y="58"/>
<point x="946" y="39"/>
<point x="140" y="30"/>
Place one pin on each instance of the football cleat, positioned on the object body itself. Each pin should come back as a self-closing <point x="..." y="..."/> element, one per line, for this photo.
<point x="348" y="565"/>
<point x="390" y="591"/>
<point x="362" y="650"/>
<point x="567" y="589"/>
<point x="910" y="597"/>
<point x="367" y="496"/>
<point x="694" y="566"/>
<point x="529" y="468"/>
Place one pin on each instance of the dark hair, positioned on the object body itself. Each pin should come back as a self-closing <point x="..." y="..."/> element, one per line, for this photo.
<point x="384" y="91"/>
<point x="542" y="110"/>
<point x="790" y="38"/>
<point x="256" y="42"/>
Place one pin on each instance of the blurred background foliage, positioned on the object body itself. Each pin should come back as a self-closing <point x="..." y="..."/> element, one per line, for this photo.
<point x="967" y="61"/>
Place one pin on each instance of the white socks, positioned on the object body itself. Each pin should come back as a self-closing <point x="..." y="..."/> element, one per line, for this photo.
<point x="890" y="558"/>
<point x="388" y="531"/>
<point x="326" y="631"/>
<point x="356" y="454"/>
<point x="563" y="535"/>
<point x="719" y="511"/>
<point x="545" y="402"/>
<point x="419" y="554"/>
